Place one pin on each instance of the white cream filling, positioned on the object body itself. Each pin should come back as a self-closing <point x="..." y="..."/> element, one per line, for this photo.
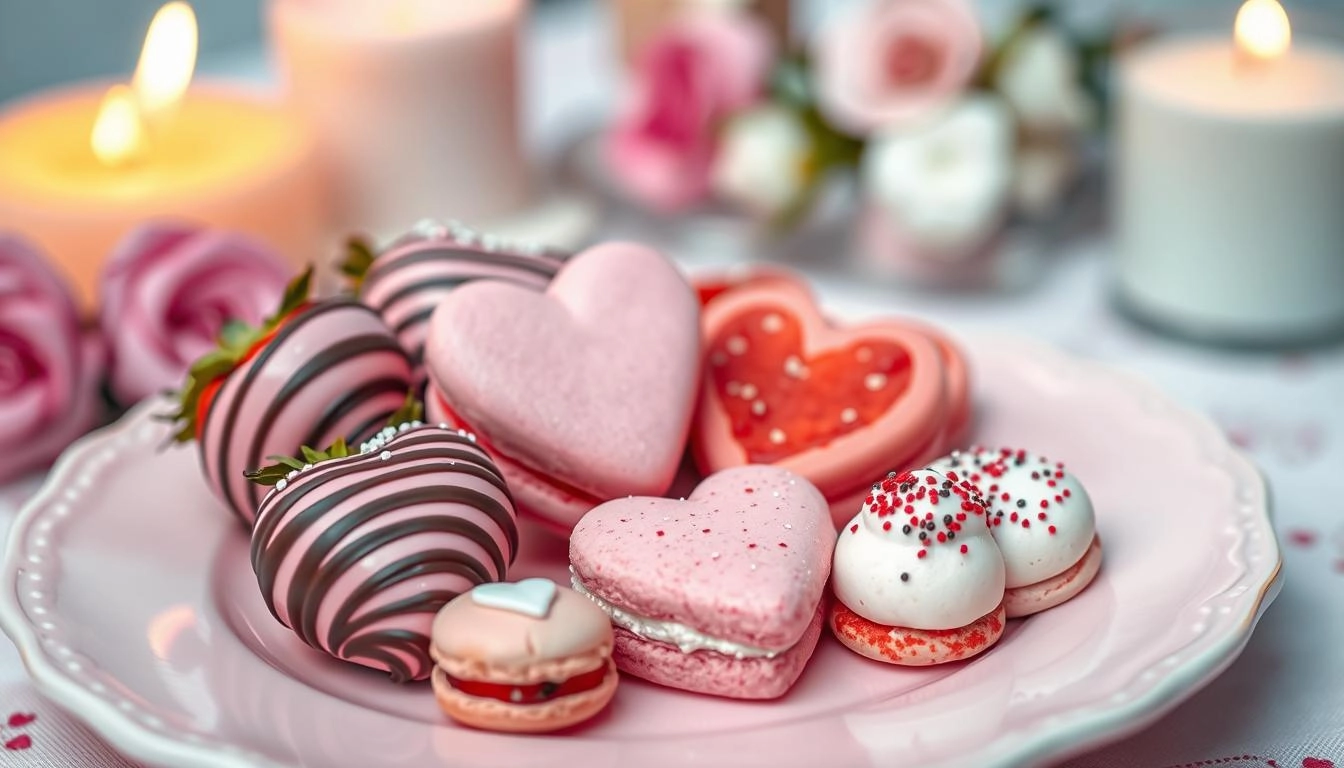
<point x="685" y="638"/>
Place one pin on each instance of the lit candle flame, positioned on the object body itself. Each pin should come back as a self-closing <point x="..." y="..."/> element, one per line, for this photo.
<point x="1262" y="29"/>
<point x="167" y="61"/>
<point x="119" y="133"/>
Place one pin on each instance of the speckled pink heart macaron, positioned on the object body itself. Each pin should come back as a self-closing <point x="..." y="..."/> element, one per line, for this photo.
<point x="584" y="393"/>
<point x="719" y="593"/>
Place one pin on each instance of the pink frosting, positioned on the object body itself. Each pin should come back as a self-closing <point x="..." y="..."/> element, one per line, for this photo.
<point x="744" y="558"/>
<point x="885" y="63"/>
<point x="342" y="374"/>
<point x="693" y="75"/>
<point x="167" y="290"/>
<point x="49" y="368"/>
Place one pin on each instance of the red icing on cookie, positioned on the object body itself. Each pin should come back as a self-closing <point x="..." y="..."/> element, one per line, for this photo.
<point x="915" y="647"/>
<point x="780" y="402"/>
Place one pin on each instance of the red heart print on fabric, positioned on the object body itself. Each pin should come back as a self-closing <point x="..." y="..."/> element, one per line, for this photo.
<point x="20" y="719"/>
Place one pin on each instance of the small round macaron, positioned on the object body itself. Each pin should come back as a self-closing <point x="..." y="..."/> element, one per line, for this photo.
<point x="1042" y="519"/>
<point x="917" y="577"/>
<point x="525" y="657"/>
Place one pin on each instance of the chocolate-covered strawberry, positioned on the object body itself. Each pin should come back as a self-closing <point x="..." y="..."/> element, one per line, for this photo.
<point x="314" y="372"/>
<point x="357" y="553"/>
<point x="407" y="281"/>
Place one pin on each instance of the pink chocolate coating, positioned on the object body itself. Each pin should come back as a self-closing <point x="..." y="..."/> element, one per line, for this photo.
<point x="334" y="370"/>
<point x="592" y="383"/>
<point x="744" y="559"/>
<point x="935" y="402"/>
<point x="356" y="555"/>
<point x="408" y="281"/>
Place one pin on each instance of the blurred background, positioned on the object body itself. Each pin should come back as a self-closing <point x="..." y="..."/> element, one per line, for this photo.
<point x="44" y="43"/>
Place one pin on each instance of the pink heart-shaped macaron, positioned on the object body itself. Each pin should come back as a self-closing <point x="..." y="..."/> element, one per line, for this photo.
<point x="589" y="387"/>
<point x="742" y="562"/>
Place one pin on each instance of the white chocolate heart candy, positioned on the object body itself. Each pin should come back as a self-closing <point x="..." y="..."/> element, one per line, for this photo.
<point x="529" y="597"/>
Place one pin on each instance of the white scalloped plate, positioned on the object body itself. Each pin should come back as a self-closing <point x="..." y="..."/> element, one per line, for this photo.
<point x="128" y="592"/>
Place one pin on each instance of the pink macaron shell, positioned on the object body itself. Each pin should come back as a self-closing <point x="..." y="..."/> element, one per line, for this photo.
<point x="556" y="508"/>
<point x="404" y="292"/>
<point x="849" y="461"/>
<point x="717" y="674"/>
<point x="1048" y="593"/>
<point x="593" y="382"/>
<point x="744" y="558"/>
<point x="478" y="642"/>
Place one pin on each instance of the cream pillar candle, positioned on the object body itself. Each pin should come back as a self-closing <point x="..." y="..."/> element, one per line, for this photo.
<point x="81" y="167"/>
<point x="414" y="104"/>
<point x="1229" y="196"/>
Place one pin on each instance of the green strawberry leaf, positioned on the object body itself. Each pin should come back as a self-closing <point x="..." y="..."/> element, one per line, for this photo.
<point x="236" y="340"/>
<point x="411" y="410"/>
<point x="274" y="473"/>
<point x="359" y="258"/>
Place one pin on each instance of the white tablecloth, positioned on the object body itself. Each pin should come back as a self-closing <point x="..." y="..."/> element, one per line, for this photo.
<point x="1281" y="704"/>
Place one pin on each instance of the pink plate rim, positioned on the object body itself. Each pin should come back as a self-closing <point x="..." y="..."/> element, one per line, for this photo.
<point x="1147" y="696"/>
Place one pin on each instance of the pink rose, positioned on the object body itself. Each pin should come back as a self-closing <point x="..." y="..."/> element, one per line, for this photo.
<point x="49" y="368"/>
<point x="893" y="61"/>
<point x="697" y="72"/>
<point x="167" y="291"/>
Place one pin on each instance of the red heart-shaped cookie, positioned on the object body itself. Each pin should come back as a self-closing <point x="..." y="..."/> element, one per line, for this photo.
<point x="838" y="405"/>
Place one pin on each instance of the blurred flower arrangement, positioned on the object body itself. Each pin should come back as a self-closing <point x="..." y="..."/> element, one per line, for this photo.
<point x="166" y="293"/>
<point x="947" y="136"/>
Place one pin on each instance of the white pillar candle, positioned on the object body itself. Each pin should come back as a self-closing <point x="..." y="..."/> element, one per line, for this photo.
<point x="414" y="105"/>
<point x="1229" y="197"/>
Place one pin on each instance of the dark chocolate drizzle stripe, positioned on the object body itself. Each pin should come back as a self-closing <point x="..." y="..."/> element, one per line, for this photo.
<point x="344" y="625"/>
<point x="443" y="284"/>
<point x="338" y="410"/>
<point x="318" y="364"/>
<point x="322" y="565"/>
<point x="540" y="265"/>
<point x="419" y="445"/>
<point x="475" y="460"/>
<point x="353" y="632"/>
<point x="382" y="647"/>
<point x="416" y="318"/>
<point x="235" y="395"/>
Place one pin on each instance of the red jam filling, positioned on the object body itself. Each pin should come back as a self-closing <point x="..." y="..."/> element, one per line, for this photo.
<point x="534" y="693"/>
<point x="781" y="403"/>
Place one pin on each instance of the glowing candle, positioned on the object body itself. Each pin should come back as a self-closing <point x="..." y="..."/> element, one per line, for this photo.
<point x="1229" y="196"/>
<point x="80" y="167"/>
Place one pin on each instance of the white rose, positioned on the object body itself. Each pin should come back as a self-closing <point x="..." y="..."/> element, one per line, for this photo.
<point x="945" y="183"/>
<point x="762" y="160"/>
<point x="1040" y="76"/>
